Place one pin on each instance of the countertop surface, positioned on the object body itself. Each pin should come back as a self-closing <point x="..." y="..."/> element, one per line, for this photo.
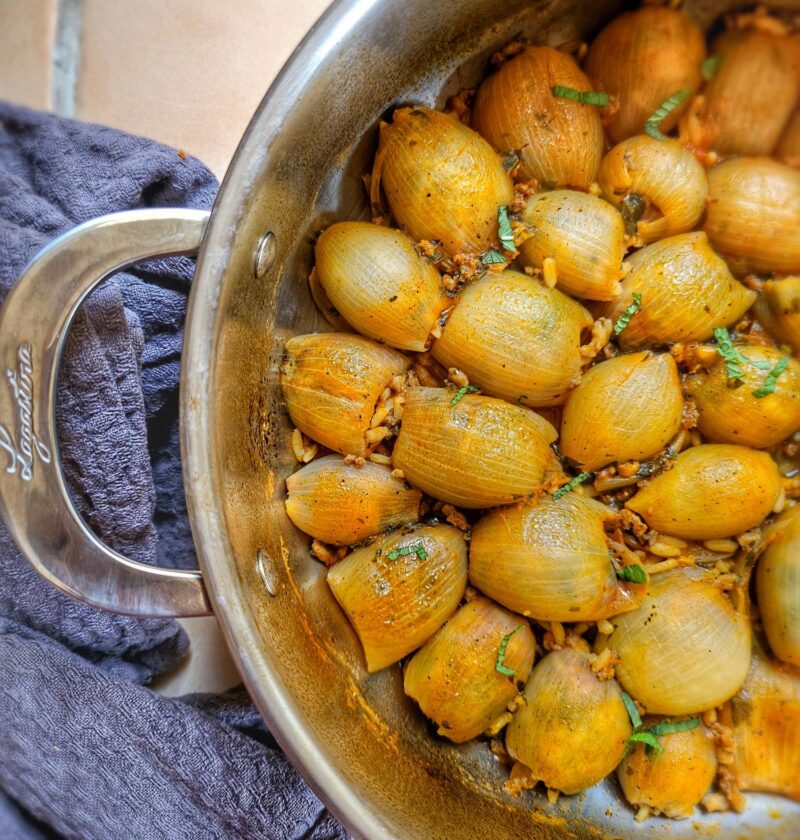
<point x="189" y="73"/>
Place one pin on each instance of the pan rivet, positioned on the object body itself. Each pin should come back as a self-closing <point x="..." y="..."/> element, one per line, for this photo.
<point x="265" y="255"/>
<point x="266" y="571"/>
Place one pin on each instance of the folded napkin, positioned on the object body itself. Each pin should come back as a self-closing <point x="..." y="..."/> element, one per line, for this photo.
<point x="86" y="749"/>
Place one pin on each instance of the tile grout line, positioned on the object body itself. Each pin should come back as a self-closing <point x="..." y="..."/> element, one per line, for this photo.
<point x="66" y="57"/>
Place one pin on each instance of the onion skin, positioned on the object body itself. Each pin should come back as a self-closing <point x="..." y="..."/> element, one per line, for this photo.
<point x="685" y="649"/>
<point x="753" y="208"/>
<point x="766" y="727"/>
<point x="481" y="452"/>
<point x="568" y="713"/>
<point x="734" y="415"/>
<point x="778" y="587"/>
<point x="788" y="150"/>
<point x="397" y="605"/>
<point x="625" y="408"/>
<point x="442" y="180"/>
<point x="583" y="234"/>
<point x="343" y="504"/>
<point x="687" y="291"/>
<point x="515" y="339"/>
<point x="750" y="98"/>
<point x="380" y="284"/>
<point x="778" y="310"/>
<point x="675" y="781"/>
<point x="714" y="490"/>
<point x="454" y="678"/>
<point x="559" y="141"/>
<point x="643" y="58"/>
<point x="331" y="382"/>
<point x="663" y="173"/>
<point x="547" y="559"/>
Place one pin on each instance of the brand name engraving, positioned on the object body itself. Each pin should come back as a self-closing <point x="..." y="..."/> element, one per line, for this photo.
<point x="27" y="447"/>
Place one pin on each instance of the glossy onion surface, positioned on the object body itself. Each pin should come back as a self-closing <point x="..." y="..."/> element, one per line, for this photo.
<point x="397" y="602"/>
<point x="478" y="453"/>
<point x="454" y="677"/>
<point x="685" y="649"/>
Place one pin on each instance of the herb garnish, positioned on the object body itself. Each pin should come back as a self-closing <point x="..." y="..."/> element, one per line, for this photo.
<point x="633" y="712"/>
<point x="649" y="736"/>
<point x="571" y="484"/>
<point x="675" y="726"/>
<point x="504" y="231"/>
<point x="632" y="209"/>
<point x="501" y="654"/>
<point x="587" y="97"/>
<point x="493" y="258"/>
<point x="626" y="316"/>
<point x="404" y="551"/>
<point x="709" y="67"/>
<point x="772" y="378"/>
<point x="652" y="744"/>
<point x="652" y="126"/>
<point x="633" y="573"/>
<point x="461" y="393"/>
<point x="728" y="352"/>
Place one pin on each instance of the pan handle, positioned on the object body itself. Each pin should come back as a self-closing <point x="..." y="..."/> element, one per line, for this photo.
<point x="34" y="500"/>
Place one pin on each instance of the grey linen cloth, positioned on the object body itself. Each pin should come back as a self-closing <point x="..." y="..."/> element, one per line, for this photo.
<point x="86" y="749"/>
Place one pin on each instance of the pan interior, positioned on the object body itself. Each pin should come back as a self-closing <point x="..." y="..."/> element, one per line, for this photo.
<point x="361" y="743"/>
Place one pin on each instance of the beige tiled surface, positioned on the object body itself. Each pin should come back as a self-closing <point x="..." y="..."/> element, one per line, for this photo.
<point x="188" y="73"/>
<point x="27" y="32"/>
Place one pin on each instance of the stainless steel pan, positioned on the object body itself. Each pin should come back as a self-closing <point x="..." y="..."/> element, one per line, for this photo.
<point x="355" y="737"/>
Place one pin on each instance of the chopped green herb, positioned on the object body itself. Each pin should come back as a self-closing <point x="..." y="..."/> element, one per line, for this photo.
<point x="493" y="258"/>
<point x="634" y="574"/>
<point x="405" y="550"/>
<point x="461" y="393"/>
<point x="772" y="379"/>
<point x="587" y="97"/>
<point x="626" y="316"/>
<point x="501" y="654"/>
<point x="709" y="67"/>
<point x="733" y="368"/>
<point x="632" y="209"/>
<point x="571" y="485"/>
<point x="652" y="126"/>
<point x="674" y="726"/>
<point x="652" y="744"/>
<point x="504" y="231"/>
<point x="633" y="712"/>
<point x="756" y="363"/>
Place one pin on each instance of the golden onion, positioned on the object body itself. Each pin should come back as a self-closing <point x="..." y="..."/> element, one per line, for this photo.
<point x="344" y="504"/>
<point x="548" y="559"/>
<point x="658" y="184"/>
<point x="687" y="291"/>
<point x="396" y="601"/>
<point x="331" y="382"/>
<point x="766" y="728"/>
<point x="685" y="649"/>
<point x="714" y="490"/>
<point x="571" y="732"/>
<point x="788" y="149"/>
<point x="778" y="309"/>
<point x="643" y="58"/>
<point x="735" y="414"/>
<point x="480" y="452"/>
<point x="778" y="587"/>
<point x="442" y="180"/>
<point x="625" y="408"/>
<point x="516" y="339"/>
<point x="454" y="677"/>
<point x="583" y="234"/>
<point x="677" y="779"/>
<point x="559" y="141"/>
<point x="750" y="97"/>
<point x="753" y="212"/>
<point x="375" y="278"/>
